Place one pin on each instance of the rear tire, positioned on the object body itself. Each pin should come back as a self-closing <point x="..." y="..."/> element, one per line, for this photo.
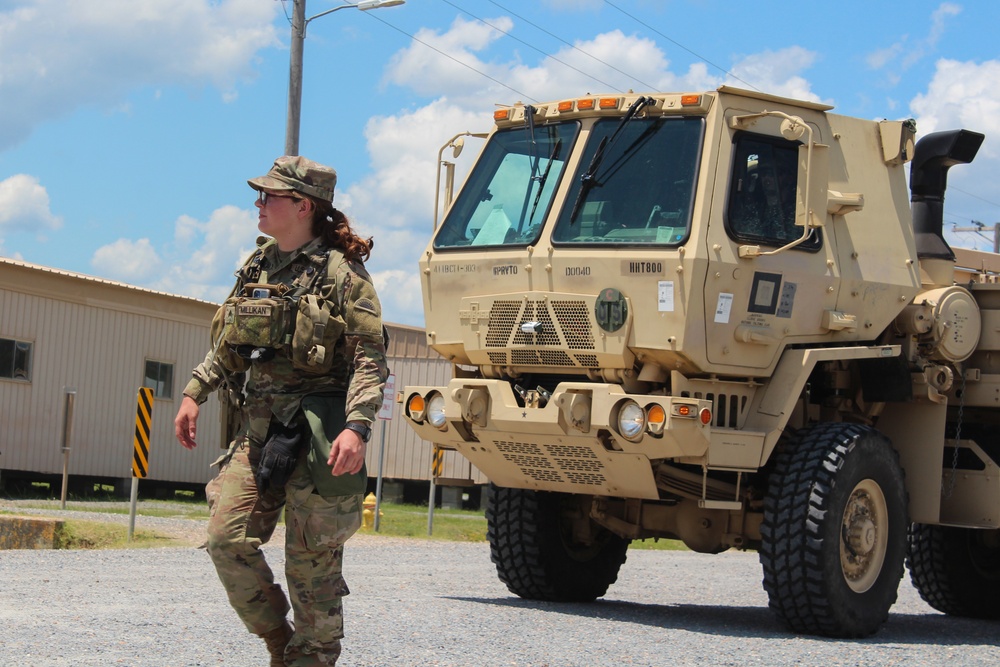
<point x="956" y="570"/>
<point x="834" y="531"/>
<point x="532" y="546"/>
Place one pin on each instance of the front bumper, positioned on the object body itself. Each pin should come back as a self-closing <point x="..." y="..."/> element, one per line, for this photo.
<point x="572" y="444"/>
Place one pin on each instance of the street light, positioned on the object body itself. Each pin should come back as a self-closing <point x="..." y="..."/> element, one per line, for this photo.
<point x="299" y="25"/>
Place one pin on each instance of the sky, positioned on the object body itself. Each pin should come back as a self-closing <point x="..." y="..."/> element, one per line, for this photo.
<point x="128" y="128"/>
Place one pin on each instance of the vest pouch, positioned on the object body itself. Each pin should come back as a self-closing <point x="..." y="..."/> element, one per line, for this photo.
<point x="326" y="416"/>
<point x="256" y="322"/>
<point x="317" y="331"/>
<point x="223" y="353"/>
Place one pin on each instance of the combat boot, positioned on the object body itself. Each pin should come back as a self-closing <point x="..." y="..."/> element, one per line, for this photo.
<point x="276" y="641"/>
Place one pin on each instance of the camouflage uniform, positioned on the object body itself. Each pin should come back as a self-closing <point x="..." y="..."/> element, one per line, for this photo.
<point x="321" y="511"/>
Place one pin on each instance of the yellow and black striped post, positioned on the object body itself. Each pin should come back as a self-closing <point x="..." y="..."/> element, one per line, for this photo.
<point x="143" y="423"/>
<point x="438" y="465"/>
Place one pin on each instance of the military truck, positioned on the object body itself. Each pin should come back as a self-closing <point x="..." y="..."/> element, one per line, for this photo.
<point x="720" y="317"/>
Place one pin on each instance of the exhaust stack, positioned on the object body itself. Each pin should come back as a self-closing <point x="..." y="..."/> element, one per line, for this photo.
<point x="932" y="157"/>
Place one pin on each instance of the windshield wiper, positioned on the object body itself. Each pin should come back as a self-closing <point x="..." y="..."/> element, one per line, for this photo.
<point x="587" y="180"/>
<point x="541" y="179"/>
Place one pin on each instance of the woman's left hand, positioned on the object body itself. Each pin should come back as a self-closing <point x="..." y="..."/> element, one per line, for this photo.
<point x="347" y="454"/>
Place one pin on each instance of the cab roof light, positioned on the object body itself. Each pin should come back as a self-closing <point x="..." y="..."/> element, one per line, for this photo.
<point x="565" y="106"/>
<point x="690" y="100"/>
<point x="585" y="104"/>
<point x="501" y="114"/>
<point x="609" y="102"/>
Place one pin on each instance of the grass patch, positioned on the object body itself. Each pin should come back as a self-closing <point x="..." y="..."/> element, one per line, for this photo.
<point x="96" y="535"/>
<point x="398" y="520"/>
<point x="449" y="524"/>
<point x="661" y="544"/>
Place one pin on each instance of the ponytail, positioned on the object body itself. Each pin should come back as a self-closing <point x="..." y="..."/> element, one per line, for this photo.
<point x="335" y="230"/>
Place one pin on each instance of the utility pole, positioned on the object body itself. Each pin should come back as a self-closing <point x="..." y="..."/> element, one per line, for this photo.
<point x="299" y="25"/>
<point x="978" y="228"/>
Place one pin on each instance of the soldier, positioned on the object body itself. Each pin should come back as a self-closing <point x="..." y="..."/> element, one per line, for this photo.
<point x="299" y="348"/>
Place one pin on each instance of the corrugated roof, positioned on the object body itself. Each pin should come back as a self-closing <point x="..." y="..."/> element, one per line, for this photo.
<point x="101" y="281"/>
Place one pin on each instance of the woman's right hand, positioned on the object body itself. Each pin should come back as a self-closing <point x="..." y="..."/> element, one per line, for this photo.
<point x="186" y="423"/>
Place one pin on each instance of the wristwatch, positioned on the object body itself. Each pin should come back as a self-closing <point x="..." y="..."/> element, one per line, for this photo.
<point x="364" y="430"/>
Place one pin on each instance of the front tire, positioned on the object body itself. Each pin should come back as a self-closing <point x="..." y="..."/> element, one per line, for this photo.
<point x="537" y="553"/>
<point x="956" y="570"/>
<point x="834" y="531"/>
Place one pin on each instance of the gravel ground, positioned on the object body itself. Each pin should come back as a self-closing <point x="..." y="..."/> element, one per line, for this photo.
<point x="420" y="603"/>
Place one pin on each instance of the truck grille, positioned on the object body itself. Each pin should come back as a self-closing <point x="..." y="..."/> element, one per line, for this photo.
<point x="554" y="463"/>
<point x="565" y="324"/>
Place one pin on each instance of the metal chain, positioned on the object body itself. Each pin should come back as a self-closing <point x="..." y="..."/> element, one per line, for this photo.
<point x="958" y="438"/>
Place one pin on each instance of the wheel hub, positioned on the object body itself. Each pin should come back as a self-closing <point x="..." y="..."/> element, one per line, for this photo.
<point x="864" y="536"/>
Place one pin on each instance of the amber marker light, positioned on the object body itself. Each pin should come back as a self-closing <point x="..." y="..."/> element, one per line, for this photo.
<point x="609" y="102"/>
<point x="501" y="114"/>
<point x="690" y="100"/>
<point x="656" y="418"/>
<point x="585" y="105"/>
<point x="415" y="407"/>
<point x="706" y="416"/>
<point x="565" y="106"/>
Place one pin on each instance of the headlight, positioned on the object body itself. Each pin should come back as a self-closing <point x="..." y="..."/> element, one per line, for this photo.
<point x="435" y="410"/>
<point x="631" y="420"/>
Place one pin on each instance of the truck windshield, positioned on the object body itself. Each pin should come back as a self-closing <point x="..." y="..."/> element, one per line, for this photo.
<point x="642" y="191"/>
<point x="508" y="193"/>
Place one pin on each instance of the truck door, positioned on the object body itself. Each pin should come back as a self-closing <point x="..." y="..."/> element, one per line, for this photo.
<point x="756" y="305"/>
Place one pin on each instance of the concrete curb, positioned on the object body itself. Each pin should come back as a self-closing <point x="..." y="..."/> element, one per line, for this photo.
<point x="29" y="532"/>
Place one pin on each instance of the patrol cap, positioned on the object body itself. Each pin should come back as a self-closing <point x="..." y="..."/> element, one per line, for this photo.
<point x="294" y="172"/>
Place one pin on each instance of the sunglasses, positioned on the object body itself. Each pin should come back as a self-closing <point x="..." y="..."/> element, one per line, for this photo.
<point x="263" y="197"/>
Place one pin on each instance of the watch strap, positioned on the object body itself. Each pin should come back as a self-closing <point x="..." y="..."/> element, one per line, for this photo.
<point x="363" y="430"/>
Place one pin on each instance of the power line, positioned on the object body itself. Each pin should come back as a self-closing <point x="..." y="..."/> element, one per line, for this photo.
<point x="450" y="57"/>
<point x="572" y="46"/>
<point x="679" y="45"/>
<point x="531" y="46"/>
<point x="969" y="194"/>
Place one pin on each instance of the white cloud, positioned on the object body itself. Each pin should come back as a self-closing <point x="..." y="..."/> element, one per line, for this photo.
<point x="906" y="52"/>
<point x="125" y="260"/>
<point x="206" y="254"/>
<point x="24" y="205"/>
<point x="961" y="94"/>
<point x="399" y="293"/>
<point x="59" y="55"/>
<point x="777" y="72"/>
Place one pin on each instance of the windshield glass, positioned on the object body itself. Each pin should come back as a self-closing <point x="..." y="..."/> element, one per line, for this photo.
<point x="642" y="189"/>
<point x="508" y="194"/>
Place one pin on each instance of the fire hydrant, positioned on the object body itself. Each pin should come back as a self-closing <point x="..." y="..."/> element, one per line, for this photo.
<point x="368" y="513"/>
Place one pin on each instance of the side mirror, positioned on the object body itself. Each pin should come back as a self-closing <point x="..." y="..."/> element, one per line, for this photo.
<point x="811" y="186"/>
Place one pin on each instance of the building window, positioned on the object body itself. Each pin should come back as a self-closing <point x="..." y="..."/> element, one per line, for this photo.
<point x="160" y="378"/>
<point x="15" y="359"/>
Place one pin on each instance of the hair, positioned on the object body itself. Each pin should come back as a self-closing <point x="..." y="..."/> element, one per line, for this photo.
<point x="335" y="229"/>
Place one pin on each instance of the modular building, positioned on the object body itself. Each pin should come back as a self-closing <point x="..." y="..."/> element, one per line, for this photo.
<point x="74" y="351"/>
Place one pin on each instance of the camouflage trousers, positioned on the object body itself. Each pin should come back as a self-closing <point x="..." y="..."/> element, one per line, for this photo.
<point x="316" y="529"/>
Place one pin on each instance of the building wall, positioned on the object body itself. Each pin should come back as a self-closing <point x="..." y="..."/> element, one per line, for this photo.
<point x="94" y="336"/>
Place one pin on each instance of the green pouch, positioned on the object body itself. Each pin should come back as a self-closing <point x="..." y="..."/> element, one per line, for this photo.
<point x="326" y="416"/>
